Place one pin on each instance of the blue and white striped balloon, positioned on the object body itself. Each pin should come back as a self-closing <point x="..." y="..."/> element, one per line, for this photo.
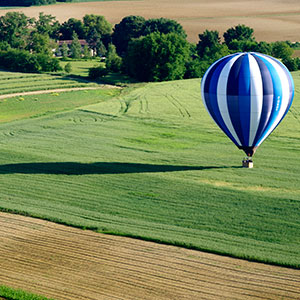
<point x="247" y="95"/>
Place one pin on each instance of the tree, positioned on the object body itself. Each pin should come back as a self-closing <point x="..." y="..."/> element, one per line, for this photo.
<point x="281" y="50"/>
<point x="264" y="47"/>
<point x="72" y="25"/>
<point x="86" y="51"/>
<point x="209" y="46"/>
<point x="14" y="29"/>
<point x="75" y="47"/>
<point x="129" y="28"/>
<point x="64" y="50"/>
<point x="157" y="57"/>
<point x="25" y="2"/>
<point x="47" y="24"/>
<point x="113" y="61"/>
<point x="163" y="25"/>
<point x="239" y="33"/>
<point x="39" y="43"/>
<point x="96" y="23"/>
<point x="68" y="68"/>
<point x="95" y="43"/>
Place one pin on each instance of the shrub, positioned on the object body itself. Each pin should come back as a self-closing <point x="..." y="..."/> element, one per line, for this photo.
<point x="97" y="72"/>
<point x="68" y="68"/>
<point x="24" y="61"/>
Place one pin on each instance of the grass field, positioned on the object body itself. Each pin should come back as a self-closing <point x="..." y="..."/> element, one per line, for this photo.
<point x="12" y="82"/>
<point x="80" y="67"/>
<point x="272" y="20"/>
<point x="150" y="163"/>
<point x="7" y="293"/>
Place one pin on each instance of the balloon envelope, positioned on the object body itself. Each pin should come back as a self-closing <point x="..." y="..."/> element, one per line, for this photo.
<point x="247" y="95"/>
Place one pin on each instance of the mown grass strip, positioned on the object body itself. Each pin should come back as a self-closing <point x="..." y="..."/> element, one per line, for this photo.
<point x="11" y="83"/>
<point x="8" y="293"/>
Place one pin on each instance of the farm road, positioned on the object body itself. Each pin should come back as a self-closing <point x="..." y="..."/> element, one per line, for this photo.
<point x="69" y="263"/>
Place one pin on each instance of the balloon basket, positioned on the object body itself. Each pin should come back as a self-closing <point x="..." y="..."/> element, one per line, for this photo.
<point x="247" y="163"/>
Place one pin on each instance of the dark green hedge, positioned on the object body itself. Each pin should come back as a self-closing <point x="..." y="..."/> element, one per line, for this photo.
<point x="24" y="61"/>
<point x="25" y="2"/>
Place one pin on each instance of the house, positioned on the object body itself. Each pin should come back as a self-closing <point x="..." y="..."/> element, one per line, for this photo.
<point x="68" y="43"/>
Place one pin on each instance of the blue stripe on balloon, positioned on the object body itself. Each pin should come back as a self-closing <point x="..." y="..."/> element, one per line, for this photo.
<point x="277" y="97"/>
<point x="245" y="98"/>
<point x="233" y="98"/>
<point x="267" y="98"/>
<point x="210" y="94"/>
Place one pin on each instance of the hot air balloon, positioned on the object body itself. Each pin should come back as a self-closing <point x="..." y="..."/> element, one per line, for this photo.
<point x="247" y="95"/>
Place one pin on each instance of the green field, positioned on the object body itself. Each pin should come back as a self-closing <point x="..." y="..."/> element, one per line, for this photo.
<point x="11" y="82"/>
<point x="149" y="163"/>
<point x="13" y="294"/>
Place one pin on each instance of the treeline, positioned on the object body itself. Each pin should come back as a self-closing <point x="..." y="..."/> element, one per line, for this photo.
<point x="29" y="2"/>
<point x="147" y="50"/>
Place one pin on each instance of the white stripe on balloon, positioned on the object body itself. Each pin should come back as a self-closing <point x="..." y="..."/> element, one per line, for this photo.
<point x="285" y="96"/>
<point x="256" y="93"/>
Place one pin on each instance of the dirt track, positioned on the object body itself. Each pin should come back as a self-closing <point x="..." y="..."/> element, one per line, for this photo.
<point x="272" y="20"/>
<point x="68" y="263"/>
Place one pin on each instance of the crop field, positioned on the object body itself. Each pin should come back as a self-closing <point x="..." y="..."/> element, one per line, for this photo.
<point x="144" y="162"/>
<point x="13" y="82"/>
<point x="149" y="163"/>
<point x="272" y="20"/>
<point x="73" y="264"/>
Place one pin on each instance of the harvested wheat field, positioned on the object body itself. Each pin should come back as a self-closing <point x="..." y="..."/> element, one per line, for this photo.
<point x="272" y="20"/>
<point x="69" y="263"/>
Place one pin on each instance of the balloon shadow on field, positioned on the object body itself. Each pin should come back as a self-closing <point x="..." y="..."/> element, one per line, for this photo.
<point x="75" y="168"/>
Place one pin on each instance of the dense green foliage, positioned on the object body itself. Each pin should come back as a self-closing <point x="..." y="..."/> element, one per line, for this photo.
<point x="129" y="28"/>
<point x="113" y="61"/>
<point x="13" y="294"/>
<point x="40" y="35"/>
<point x="150" y="163"/>
<point x="23" y="61"/>
<point x="157" y="57"/>
<point x="25" y="2"/>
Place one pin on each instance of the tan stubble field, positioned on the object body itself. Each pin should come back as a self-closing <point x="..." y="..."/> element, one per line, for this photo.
<point x="272" y="20"/>
<point x="73" y="264"/>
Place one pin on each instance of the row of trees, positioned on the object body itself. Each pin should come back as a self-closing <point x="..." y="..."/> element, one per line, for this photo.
<point x="147" y="50"/>
<point x="29" y="2"/>
<point x="157" y="49"/>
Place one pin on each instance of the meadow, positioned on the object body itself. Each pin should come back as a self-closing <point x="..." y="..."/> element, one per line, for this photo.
<point x="13" y="82"/>
<point x="147" y="162"/>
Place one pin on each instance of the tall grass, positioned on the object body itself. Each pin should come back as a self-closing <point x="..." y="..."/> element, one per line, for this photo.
<point x="150" y="163"/>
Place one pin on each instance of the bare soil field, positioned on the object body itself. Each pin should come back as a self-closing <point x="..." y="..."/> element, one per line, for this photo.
<point x="272" y="20"/>
<point x="69" y="263"/>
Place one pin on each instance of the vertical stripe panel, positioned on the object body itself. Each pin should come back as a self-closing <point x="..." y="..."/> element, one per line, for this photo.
<point x="222" y="97"/>
<point x="234" y="98"/>
<point x="256" y="96"/>
<point x="281" y="95"/>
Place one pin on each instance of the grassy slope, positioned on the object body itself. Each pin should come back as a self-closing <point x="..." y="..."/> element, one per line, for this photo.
<point x="11" y="82"/>
<point x="152" y="164"/>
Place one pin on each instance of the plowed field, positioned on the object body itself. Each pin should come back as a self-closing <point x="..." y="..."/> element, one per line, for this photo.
<point x="68" y="263"/>
<point x="272" y="20"/>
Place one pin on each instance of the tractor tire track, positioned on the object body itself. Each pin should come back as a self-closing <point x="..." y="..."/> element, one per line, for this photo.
<point x="67" y="263"/>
